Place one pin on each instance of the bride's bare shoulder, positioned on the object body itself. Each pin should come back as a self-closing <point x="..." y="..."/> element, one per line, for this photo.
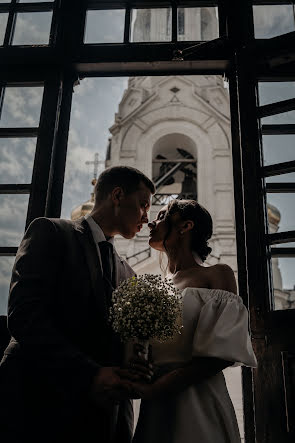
<point x="221" y="276"/>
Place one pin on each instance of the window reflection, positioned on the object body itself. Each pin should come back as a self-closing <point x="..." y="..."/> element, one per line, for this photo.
<point x="272" y="92"/>
<point x="3" y="23"/>
<point x="283" y="118"/>
<point x="105" y="26"/>
<point x="13" y="218"/>
<point x="283" y="281"/>
<point x="281" y="212"/>
<point x="283" y="178"/>
<point x="151" y="25"/>
<point x="32" y="28"/>
<point x="21" y="107"/>
<point x="197" y="24"/>
<point x="278" y="148"/>
<point x="273" y="20"/>
<point x="6" y="265"/>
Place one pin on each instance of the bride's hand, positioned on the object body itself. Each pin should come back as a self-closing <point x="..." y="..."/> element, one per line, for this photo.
<point x="138" y="370"/>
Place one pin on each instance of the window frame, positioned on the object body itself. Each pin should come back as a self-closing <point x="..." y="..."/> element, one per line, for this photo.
<point x="236" y="53"/>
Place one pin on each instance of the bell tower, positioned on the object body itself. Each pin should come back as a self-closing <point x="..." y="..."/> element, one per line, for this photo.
<point x="176" y="130"/>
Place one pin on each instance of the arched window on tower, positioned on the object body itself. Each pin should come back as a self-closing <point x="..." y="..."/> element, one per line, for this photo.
<point x="109" y="149"/>
<point x="174" y="168"/>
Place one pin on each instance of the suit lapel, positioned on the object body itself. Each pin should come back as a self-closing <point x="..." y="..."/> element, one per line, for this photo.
<point x="87" y="244"/>
<point x="85" y="238"/>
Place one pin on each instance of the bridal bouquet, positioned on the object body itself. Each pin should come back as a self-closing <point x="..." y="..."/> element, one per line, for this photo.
<point x="144" y="308"/>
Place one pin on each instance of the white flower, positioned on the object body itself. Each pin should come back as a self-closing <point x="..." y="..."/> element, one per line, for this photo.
<point x="146" y="307"/>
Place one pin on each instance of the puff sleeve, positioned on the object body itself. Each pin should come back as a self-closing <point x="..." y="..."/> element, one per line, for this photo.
<point x="222" y="329"/>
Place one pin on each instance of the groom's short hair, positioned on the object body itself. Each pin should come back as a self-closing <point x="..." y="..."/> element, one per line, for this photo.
<point x="125" y="177"/>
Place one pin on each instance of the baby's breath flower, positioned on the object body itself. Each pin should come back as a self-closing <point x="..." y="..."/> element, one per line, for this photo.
<point x="146" y="307"/>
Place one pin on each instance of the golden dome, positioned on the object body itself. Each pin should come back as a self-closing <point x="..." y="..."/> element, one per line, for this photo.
<point x="84" y="208"/>
<point x="274" y="215"/>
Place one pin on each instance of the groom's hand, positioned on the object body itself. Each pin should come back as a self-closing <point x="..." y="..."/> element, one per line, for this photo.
<point x="138" y="369"/>
<point x="109" y="387"/>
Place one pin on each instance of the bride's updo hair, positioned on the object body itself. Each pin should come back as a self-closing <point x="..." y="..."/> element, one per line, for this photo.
<point x="203" y="226"/>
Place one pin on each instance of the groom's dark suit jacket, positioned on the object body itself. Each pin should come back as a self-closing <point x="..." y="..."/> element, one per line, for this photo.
<point x="60" y="337"/>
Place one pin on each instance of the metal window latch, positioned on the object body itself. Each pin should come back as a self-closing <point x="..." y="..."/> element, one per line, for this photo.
<point x="180" y="54"/>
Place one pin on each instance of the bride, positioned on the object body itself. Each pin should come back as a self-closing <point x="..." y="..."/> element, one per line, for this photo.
<point x="188" y="402"/>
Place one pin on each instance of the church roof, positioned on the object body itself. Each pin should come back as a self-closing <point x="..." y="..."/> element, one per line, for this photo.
<point x="85" y="208"/>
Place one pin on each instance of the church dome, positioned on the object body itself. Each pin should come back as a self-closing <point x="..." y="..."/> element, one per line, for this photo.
<point x="85" y="208"/>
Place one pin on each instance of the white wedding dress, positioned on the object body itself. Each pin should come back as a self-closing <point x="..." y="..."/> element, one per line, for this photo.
<point x="215" y="325"/>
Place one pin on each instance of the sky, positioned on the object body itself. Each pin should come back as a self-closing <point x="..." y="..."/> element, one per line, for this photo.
<point x="95" y="102"/>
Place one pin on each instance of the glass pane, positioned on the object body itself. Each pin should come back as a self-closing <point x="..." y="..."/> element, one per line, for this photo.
<point x="197" y="24"/>
<point x="105" y="26"/>
<point x="283" y="178"/>
<point x="278" y="148"/>
<point x="17" y="159"/>
<point x="284" y="245"/>
<point x="273" y="20"/>
<point x="3" y="23"/>
<point x="6" y="265"/>
<point x="284" y="118"/>
<point x="32" y="28"/>
<point x="272" y="92"/>
<point x="283" y="281"/>
<point x="99" y="99"/>
<point x="281" y="212"/>
<point x="21" y="107"/>
<point x="13" y="214"/>
<point x="151" y="25"/>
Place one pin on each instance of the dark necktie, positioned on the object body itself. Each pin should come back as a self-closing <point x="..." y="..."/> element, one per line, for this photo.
<point x="114" y="348"/>
<point x="106" y="253"/>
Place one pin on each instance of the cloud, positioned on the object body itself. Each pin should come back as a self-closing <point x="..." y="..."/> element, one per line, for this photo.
<point x="12" y="218"/>
<point x="21" y="107"/>
<point x="32" y="28"/>
<point x="16" y="159"/>
<point x="95" y="102"/>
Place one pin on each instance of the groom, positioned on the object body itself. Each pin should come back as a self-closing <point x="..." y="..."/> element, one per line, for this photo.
<point x="60" y="377"/>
